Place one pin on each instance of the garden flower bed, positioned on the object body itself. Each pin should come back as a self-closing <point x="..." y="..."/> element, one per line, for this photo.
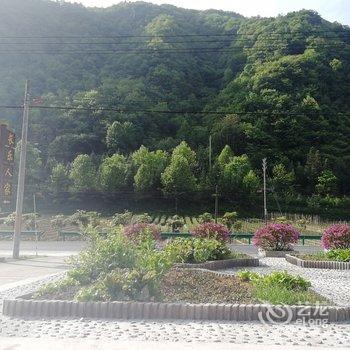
<point x="336" y="239"/>
<point x="338" y="259"/>
<point x="128" y="274"/>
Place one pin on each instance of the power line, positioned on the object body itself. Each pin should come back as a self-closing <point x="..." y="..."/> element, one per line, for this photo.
<point x="128" y="110"/>
<point x="153" y="51"/>
<point x="157" y="42"/>
<point x="308" y="32"/>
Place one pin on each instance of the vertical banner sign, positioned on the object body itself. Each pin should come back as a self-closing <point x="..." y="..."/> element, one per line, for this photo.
<point x="7" y="158"/>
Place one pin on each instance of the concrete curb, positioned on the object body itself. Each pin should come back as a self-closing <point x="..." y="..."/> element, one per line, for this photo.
<point x="334" y="265"/>
<point x="221" y="264"/>
<point x="172" y="311"/>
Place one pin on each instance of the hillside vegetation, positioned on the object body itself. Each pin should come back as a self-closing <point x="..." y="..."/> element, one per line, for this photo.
<point x="140" y="75"/>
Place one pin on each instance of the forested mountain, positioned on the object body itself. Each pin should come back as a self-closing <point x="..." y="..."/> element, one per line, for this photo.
<point x="139" y="74"/>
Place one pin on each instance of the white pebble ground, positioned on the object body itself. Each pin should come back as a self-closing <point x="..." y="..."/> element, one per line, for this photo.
<point x="331" y="335"/>
<point x="333" y="284"/>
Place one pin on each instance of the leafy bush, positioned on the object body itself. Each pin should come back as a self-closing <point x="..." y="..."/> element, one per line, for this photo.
<point x="277" y="278"/>
<point x="136" y="232"/>
<point x="176" y="223"/>
<point x="237" y="225"/>
<point x="102" y="256"/>
<point x="122" y="218"/>
<point x="279" y="287"/>
<point x="336" y="237"/>
<point x="339" y="255"/>
<point x="57" y="287"/>
<point x="95" y="292"/>
<point x="144" y="218"/>
<point x="212" y="230"/>
<point x="285" y="280"/>
<point x="277" y="237"/>
<point x="247" y="276"/>
<point x="196" y="250"/>
<point x="84" y="218"/>
<point x="205" y="217"/>
<point x="229" y="219"/>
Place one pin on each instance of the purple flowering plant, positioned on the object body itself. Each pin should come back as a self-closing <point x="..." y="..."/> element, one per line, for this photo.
<point x="276" y="237"/>
<point x="336" y="237"/>
<point x="211" y="230"/>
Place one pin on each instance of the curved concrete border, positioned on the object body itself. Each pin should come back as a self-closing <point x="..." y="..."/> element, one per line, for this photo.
<point x="221" y="264"/>
<point x="172" y="311"/>
<point x="335" y="265"/>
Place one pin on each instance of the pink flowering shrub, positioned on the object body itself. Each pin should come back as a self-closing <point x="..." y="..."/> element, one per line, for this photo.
<point x="135" y="232"/>
<point x="276" y="237"/>
<point x="336" y="237"/>
<point x="212" y="230"/>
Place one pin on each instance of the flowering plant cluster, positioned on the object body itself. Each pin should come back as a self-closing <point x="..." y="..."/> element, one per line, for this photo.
<point x="212" y="230"/>
<point x="277" y="237"/>
<point x="336" y="237"/>
<point x="135" y="232"/>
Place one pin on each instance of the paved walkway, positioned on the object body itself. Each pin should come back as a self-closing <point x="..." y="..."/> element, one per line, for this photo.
<point x="51" y="248"/>
<point x="43" y="344"/>
<point x="15" y="272"/>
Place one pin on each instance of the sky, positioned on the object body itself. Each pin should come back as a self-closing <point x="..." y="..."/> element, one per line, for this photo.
<point x="332" y="10"/>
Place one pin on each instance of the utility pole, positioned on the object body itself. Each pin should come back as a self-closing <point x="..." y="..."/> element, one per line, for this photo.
<point x="265" y="200"/>
<point x="21" y="175"/>
<point x="210" y="153"/>
<point x="216" y="195"/>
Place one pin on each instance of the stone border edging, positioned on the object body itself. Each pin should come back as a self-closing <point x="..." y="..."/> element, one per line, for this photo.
<point x="220" y="264"/>
<point x="335" y="265"/>
<point x="171" y="311"/>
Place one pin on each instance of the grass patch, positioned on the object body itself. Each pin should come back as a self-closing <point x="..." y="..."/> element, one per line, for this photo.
<point x="342" y="255"/>
<point x="281" y="288"/>
<point x="281" y="295"/>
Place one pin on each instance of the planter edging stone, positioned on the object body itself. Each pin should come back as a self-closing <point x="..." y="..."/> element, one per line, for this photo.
<point x="170" y="311"/>
<point x="220" y="264"/>
<point x="314" y="264"/>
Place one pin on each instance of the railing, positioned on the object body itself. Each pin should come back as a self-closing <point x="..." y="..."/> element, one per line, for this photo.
<point x="7" y="233"/>
<point x="168" y="235"/>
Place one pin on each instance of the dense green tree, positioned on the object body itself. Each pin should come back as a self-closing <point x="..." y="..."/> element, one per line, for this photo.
<point x="113" y="173"/>
<point x="178" y="178"/>
<point x="59" y="179"/>
<point x="122" y="137"/>
<point x="83" y="174"/>
<point x="327" y="183"/>
<point x="265" y="87"/>
<point x="150" y="167"/>
<point x="282" y="180"/>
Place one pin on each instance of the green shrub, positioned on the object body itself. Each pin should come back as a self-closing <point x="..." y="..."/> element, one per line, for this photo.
<point x="339" y="255"/>
<point x="95" y="292"/>
<point x="285" y="280"/>
<point x="229" y="219"/>
<point x="196" y="250"/>
<point x="124" y="218"/>
<point x="279" y="288"/>
<point x="103" y="256"/>
<point x="205" y="217"/>
<point x="56" y="287"/>
<point x="247" y="276"/>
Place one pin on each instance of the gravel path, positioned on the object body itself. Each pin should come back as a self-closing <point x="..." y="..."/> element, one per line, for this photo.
<point x="333" y="284"/>
<point x="333" y="335"/>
